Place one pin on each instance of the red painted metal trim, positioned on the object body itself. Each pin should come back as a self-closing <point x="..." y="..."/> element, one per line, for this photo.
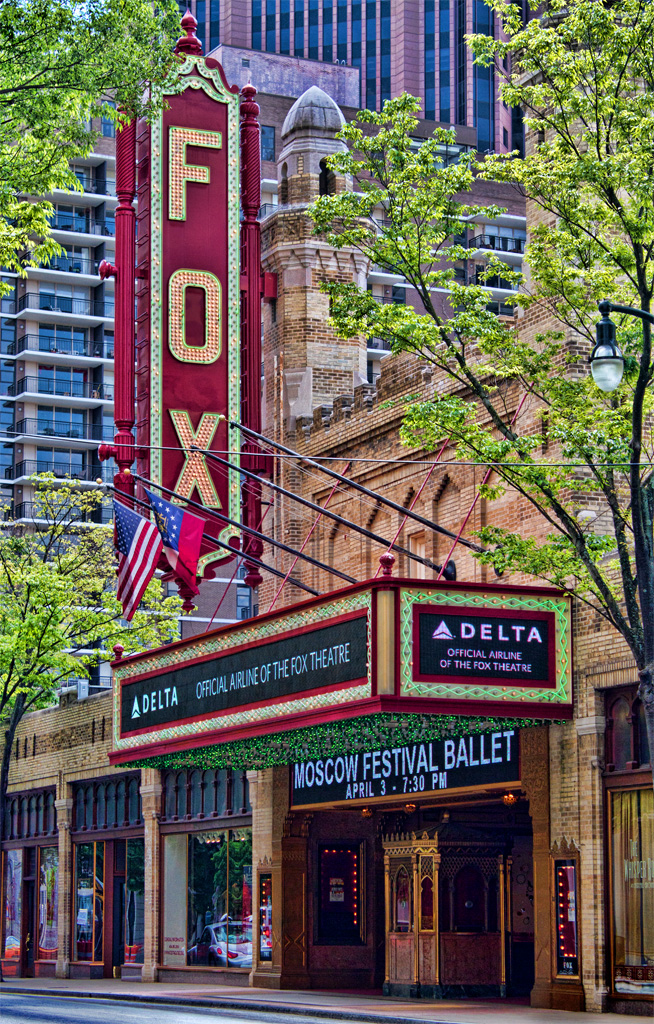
<point x="251" y="321"/>
<point x="509" y="679"/>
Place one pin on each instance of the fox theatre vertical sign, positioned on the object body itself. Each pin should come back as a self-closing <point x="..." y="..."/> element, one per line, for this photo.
<point x="188" y="339"/>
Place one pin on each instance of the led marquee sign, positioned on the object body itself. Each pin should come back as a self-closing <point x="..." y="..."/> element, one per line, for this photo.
<point x="188" y="330"/>
<point x="409" y="769"/>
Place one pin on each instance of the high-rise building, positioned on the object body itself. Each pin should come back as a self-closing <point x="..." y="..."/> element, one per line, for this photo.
<point x="57" y="343"/>
<point x="417" y="46"/>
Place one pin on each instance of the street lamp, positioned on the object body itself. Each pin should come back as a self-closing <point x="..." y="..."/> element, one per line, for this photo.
<point x="606" y="359"/>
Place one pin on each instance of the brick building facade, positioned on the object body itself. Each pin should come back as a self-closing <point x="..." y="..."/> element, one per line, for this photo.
<point x="548" y="878"/>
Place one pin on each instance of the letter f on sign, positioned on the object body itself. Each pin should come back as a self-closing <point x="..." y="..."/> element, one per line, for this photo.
<point x="181" y="172"/>
<point x="194" y="471"/>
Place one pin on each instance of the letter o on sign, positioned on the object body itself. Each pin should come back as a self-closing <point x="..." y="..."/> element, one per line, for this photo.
<point x="179" y="282"/>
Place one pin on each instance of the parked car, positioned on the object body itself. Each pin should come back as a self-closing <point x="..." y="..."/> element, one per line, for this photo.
<point x="219" y="947"/>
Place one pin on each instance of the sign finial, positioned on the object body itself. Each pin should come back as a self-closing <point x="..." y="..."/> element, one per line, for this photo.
<point x="189" y="43"/>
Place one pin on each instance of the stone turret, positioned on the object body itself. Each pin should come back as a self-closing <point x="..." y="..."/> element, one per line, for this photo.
<point x="305" y="365"/>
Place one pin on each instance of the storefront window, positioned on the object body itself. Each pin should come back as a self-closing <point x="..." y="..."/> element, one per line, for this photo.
<point x="89" y="901"/>
<point x="210" y="923"/>
<point x="565" y="880"/>
<point x="134" y="901"/>
<point x="265" y="918"/>
<point x="339" y="899"/>
<point x="632" y="852"/>
<point x="12" y="908"/>
<point x="48" y="904"/>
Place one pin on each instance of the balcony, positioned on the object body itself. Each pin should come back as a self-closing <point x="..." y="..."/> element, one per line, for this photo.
<point x="33" y="512"/>
<point x="72" y="265"/>
<point x="81" y="223"/>
<point x="97" y="186"/>
<point x="379" y="344"/>
<point x="64" y="388"/>
<point x="71" y="431"/>
<point x="62" y="346"/>
<point x="48" y="302"/>
<point x="495" y="281"/>
<point x="61" y="469"/>
<point x="497" y="243"/>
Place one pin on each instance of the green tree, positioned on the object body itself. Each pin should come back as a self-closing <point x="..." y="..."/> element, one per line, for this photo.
<point x="63" y="62"/>
<point x="584" y="75"/>
<point x="59" y="614"/>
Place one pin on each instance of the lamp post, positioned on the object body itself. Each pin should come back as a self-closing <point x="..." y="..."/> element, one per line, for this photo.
<point x="607" y="368"/>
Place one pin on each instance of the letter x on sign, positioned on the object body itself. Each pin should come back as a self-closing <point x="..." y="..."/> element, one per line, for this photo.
<point x="194" y="471"/>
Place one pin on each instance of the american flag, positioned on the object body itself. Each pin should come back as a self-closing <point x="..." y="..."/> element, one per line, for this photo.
<point x="140" y="545"/>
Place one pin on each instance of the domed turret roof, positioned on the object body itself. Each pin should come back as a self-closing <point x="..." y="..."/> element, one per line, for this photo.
<point x="313" y="110"/>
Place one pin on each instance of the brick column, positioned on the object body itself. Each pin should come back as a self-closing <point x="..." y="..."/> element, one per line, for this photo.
<point x="294" y="902"/>
<point x="270" y="805"/>
<point x="590" y="882"/>
<point x="151" y="801"/>
<point x="66" y="870"/>
<point x="535" y="773"/>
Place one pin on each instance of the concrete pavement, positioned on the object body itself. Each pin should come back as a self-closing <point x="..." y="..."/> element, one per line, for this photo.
<point x="335" y="1005"/>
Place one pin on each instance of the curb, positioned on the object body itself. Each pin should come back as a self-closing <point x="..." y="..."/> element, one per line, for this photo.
<point x="219" y="1004"/>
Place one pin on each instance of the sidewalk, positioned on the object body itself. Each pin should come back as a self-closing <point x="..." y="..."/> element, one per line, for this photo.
<point x="335" y="1005"/>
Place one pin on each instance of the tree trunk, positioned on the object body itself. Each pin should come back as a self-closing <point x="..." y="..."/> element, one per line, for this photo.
<point x="16" y="715"/>
<point x="646" y="694"/>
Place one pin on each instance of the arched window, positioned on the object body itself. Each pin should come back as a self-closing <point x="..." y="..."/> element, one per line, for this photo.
<point x="111" y="804"/>
<point x="221" y="792"/>
<point x="181" y="794"/>
<point x="24" y="820"/>
<point x="196" y="793"/>
<point x="469" y="900"/>
<point x="40" y="827"/>
<point x="134" y="802"/>
<point x="239" y="797"/>
<point x="209" y="794"/>
<point x="101" y="805"/>
<point x="121" y="805"/>
<point x="170" y="796"/>
<point x="32" y="821"/>
<point x="327" y="181"/>
<point x="50" y="814"/>
<point x="642" y="743"/>
<point x="402" y="901"/>
<point x="88" y="806"/>
<point x="620" y="733"/>
<point x="283" y="185"/>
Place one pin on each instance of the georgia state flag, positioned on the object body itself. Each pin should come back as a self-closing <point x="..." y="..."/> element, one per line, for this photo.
<point x="181" y="534"/>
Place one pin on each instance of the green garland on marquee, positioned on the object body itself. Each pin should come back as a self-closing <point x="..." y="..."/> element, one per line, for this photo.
<point x="370" y="732"/>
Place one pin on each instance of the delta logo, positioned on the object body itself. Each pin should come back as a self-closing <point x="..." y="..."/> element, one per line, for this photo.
<point x="497" y="631"/>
